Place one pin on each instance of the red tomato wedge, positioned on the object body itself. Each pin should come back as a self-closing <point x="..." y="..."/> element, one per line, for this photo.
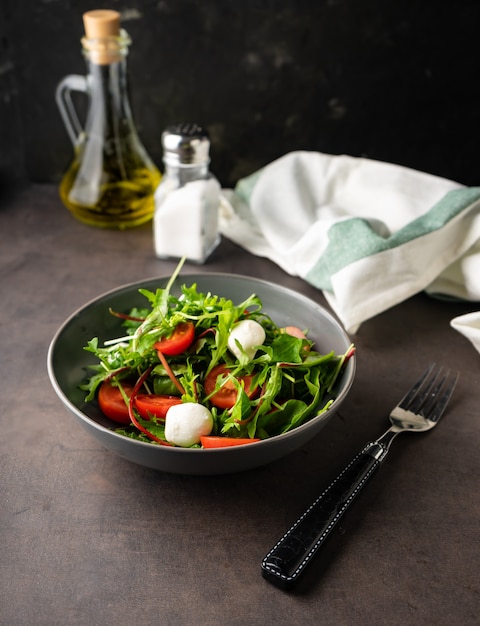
<point x="294" y="331"/>
<point x="154" y="404"/>
<point x="211" y="441"/>
<point x="111" y="402"/>
<point x="226" y="396"/>
<point x="179" y="341"/>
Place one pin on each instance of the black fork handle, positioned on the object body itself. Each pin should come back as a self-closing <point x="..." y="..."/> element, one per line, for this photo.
<point x="288" y="559"/>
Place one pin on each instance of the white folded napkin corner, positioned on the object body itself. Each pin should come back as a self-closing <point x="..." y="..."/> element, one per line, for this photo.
<point x="368" y="234"/>
<point x="469" y="326"/>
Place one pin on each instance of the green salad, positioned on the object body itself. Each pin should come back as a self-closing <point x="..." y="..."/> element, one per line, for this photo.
<point x="198" y="370"/>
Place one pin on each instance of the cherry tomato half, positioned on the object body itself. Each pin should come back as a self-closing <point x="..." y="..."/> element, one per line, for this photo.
<point x="111" y="402"/>
<point x="226" y="396"/>
<point x="154" y="404"/>
<point x="294" y="331"/>
<point x="211" y="441"/>
<point x="179" y="341"/>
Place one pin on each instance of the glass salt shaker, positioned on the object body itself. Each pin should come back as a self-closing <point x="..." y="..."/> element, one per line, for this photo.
<point x="188" y="197"/>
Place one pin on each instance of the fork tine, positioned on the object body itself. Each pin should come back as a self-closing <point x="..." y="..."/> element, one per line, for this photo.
<point x="427" y="394"/>
<point x="424" y="397"/>
<point x="436" y="406"/>
<point x="408" y="398"/>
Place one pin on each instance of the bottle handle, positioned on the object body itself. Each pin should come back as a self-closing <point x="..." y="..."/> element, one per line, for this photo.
<point x="72" y="82"/>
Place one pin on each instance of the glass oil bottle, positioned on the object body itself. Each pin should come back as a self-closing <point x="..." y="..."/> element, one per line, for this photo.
<point x="111" y="180"/>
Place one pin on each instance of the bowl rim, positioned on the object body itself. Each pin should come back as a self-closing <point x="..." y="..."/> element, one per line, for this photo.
<point x="182" y="279"/>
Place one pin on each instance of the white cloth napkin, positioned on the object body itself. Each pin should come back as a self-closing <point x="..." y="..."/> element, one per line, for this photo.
<point x="469" y="326"/>
<point x="368" y="234"/>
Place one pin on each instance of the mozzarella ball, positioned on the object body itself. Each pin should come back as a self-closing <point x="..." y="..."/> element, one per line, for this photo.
<point x="248" y="333"/>
<point x="185" y="423"/>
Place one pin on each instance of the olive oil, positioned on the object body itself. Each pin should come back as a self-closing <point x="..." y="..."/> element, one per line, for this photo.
<point x="121" y="204"/>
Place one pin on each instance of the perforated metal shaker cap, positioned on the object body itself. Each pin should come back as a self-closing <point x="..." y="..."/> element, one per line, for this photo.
<point x="185" y="144"/>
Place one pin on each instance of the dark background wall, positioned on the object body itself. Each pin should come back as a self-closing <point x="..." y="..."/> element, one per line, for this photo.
<point x="394" y="80"/>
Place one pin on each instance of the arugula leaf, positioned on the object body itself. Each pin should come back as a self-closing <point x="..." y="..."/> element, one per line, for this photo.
<point x="286" y="349"/>
<point x="156" y="427"/>
<point x="234" y="425"/>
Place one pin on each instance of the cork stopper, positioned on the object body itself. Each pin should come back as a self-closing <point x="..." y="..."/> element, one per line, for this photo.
<point x="102" y="23"/>
<point x="104" y="42"/>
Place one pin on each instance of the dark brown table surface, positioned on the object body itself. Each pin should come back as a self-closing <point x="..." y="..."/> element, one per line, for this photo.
<point x="88" y="538"/>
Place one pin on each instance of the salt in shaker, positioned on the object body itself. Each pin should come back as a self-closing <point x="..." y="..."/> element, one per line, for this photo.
<point x="187" y="200"/>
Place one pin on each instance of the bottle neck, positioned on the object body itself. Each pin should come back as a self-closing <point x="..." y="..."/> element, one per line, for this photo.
<point x="109" y="107"/>
<point x="106" y="50"/>
<point x="106" y="60"/>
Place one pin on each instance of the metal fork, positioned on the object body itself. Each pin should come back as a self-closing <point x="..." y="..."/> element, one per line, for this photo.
<point x="419" y="411"/>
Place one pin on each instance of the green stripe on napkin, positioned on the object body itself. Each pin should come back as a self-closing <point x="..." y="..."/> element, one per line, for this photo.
<point x="354" y="239"/>
<point x="245" y="186"/>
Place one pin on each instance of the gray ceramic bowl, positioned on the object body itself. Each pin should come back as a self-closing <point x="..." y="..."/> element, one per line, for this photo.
<point x="68" y="361"/>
